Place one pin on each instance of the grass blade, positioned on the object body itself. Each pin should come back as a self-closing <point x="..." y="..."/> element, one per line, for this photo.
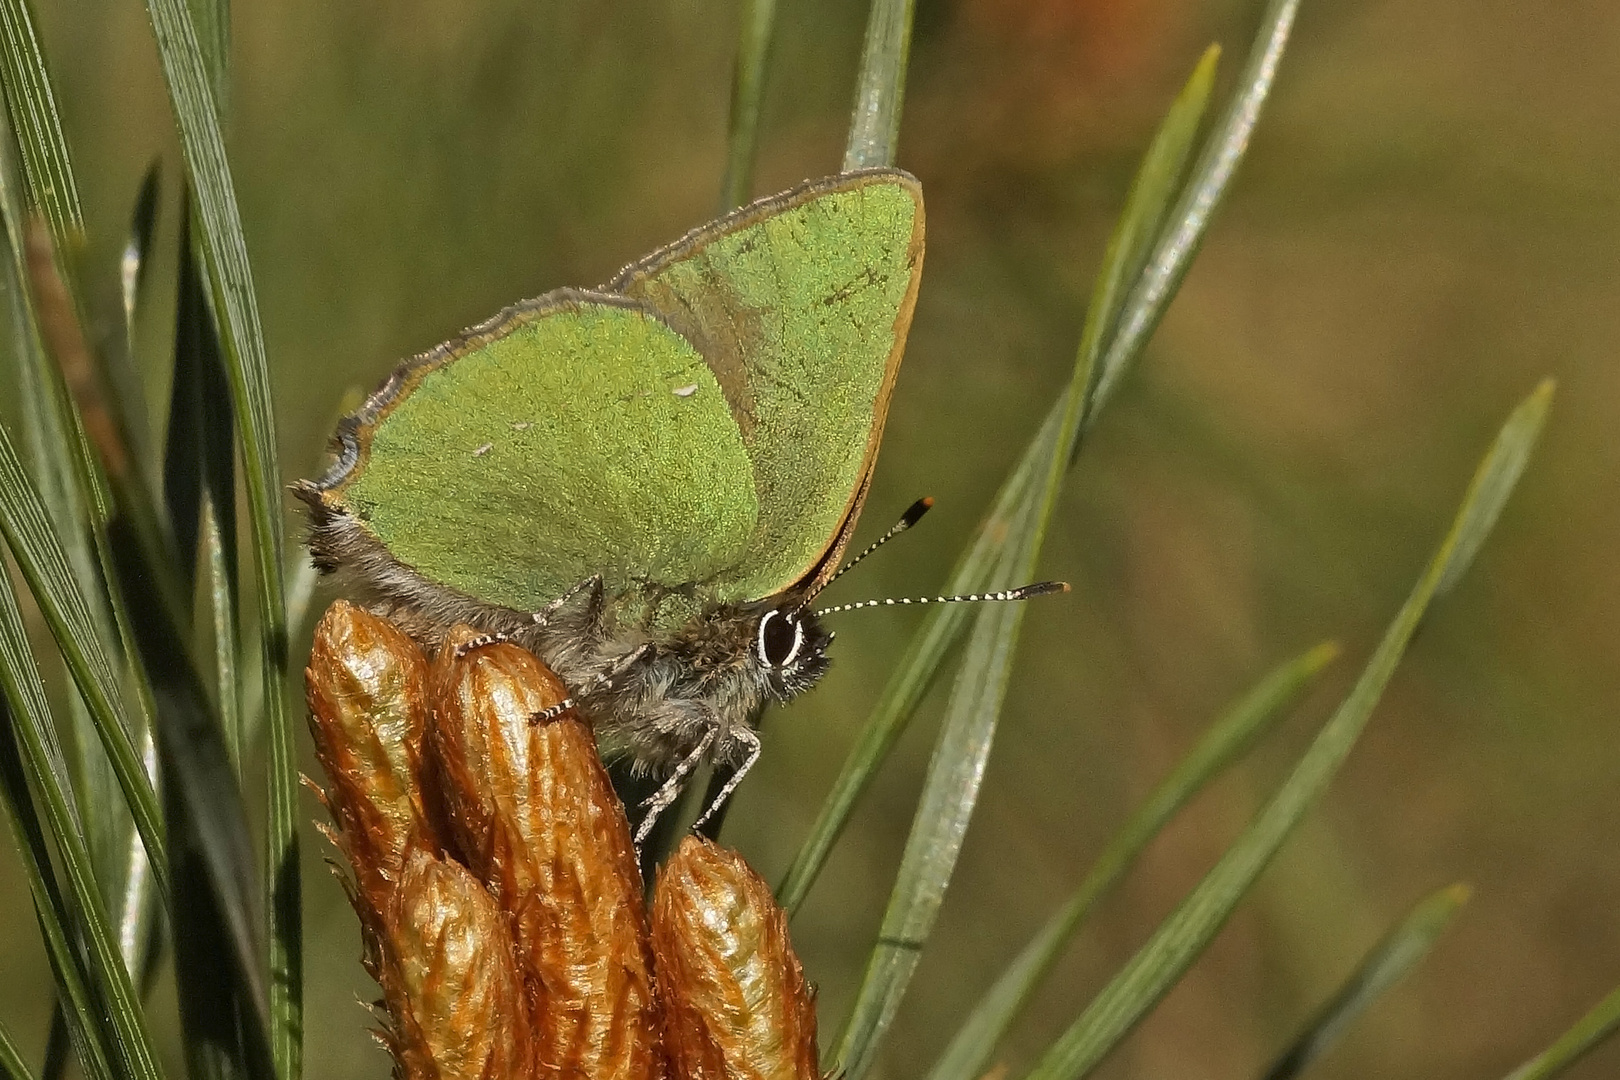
<point x="968" y="1055"/>
<point x="119" y="362"/>
<point x="1150" y="196"/>
<point x="1389" y="961"/>
<point x="32" y="104"/>
<point x="11" y="1059"/>
<point x="1142" y="221"/>
<point x="747" y="92"/>
<point x="1572" y="1045"/>
<point x="218" y="899"/>
<point x="1211" y="176"/>
<point x="134" y="265"/>
<point x="880" y="87"/>
<point x="43" y="763"/>
<point x="912" y="677"/>
<point x="950" y="793"/>
<point x="204" y="801"/>
<point x="44" y="566"/>
<point x="51" y="460"/>
<point x="1183" y="936"/>
<point x="220" y="600"/>
<point x="199" y="468"/>
<point x="974" y="709"/>
<point x="76" y="1022"/>
<point x="230" y="283"/>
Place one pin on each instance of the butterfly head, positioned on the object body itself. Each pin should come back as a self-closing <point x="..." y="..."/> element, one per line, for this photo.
<point x="790" y="648"/>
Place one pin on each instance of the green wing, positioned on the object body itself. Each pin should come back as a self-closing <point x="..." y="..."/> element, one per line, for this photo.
<point x="800" y="304"/>
<point x="573" y="435"/>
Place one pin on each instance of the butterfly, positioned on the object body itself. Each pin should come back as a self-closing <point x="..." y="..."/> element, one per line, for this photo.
<point x="647" y="483"/>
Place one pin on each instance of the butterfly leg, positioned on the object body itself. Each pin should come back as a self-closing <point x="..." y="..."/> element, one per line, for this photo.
<point x="479" y="642"/>
<point x="670" y="790"/>
<point x="609" y="675"/>
<point x="593" y="584"/>
<point x="546" y="716"/>
<point x="749" y="738"/>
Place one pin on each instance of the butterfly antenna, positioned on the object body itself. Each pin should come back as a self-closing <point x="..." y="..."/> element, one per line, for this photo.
<point x="1040" y="588"/>
<point x="912" y="515"/>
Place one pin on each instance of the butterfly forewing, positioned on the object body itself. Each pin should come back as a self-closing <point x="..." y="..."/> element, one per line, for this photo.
<point x="800" y="305"/>
<point x="572" y="436"/>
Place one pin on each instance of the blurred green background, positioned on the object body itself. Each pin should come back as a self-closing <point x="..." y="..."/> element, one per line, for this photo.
<point x="1427" y="224"/>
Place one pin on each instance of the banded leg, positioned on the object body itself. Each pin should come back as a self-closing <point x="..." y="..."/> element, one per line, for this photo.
<point x="749" y="738"/>
<point x="479" y="642"/>
<point x="545" y="716"/>
<point x="547" y="613"/>
<point x="670" y="790"/>
<point x="606" y="677"/>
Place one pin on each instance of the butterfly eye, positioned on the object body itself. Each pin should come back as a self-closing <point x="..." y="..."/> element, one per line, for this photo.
<point x="780" y="637"/>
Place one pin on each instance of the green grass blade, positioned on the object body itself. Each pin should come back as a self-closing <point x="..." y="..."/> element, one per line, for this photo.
<point x="49" y="465"/>
<point x="880" y="87"/>
<point x="747" y="93"/>
<point x="137" y="905"/>
<point x="11" y="1059"/>
<point x="1150" y="195"/>
<point x="1154" y="187"/>
<point x="913" y="675"/>
<point x="134" y="265"/>
<point x="1183" y="936"/>
<point x="951" y="790"/>
<point x="204" y="807"/>
<point x="220" y="599"/>
<point x="241" y="339"/>
<point x="950" y="793"/>
<point x="32" y="104"/>
<point x="968" y="1055"/>
<point x="1386" y="964"/>
<point x="51" y="458"/>
<point x="77" y="1022"/>
<point x="1211" y="176"/>
<point x="204" y="801"/>
<point x="199" y="468"/>
<point x="119" y="362"/>
<point x="44" y="565"/>
<point x="198" y="451"/>
<point x="1572" y="1045"/>
<point x="42" y="761"/>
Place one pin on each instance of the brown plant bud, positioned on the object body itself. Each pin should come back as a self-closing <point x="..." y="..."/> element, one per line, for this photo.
<point x="735" y="999"/>
<point x="450" y="980"/>
<point x="535" y="817"/>
<point x="367" y="691"/>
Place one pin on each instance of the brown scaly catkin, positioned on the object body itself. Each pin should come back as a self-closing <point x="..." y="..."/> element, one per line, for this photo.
<point x="735" y="998"/>
<point x="498" y="892"/>
<point x="367" y="691"/>
<point x="436" y="942"/>
<point x="537" y="820"/>
<point x="465" y="1017"/>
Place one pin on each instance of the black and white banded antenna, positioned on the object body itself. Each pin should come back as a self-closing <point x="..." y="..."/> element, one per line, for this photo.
<point x="1023" y="592"/>
<point x="912" y="515"/>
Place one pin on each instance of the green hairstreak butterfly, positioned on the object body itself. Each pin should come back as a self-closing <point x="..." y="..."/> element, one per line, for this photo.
<point x="646" y="483"/>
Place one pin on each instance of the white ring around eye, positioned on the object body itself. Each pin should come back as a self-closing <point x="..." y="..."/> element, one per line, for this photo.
<point x="798" y="639"/>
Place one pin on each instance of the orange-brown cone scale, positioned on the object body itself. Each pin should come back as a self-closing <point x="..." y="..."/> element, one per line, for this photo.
<point x="735" y="998"/>
<point x="498" y="892"/>
<point x="436" y="942"/>
<point x="536" y="818"/>
<point x="450" y="979"/>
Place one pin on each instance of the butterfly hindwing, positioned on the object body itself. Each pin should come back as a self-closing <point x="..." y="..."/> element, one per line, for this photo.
<point x="800" y="305"/>
<point x="573" y="435"/>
